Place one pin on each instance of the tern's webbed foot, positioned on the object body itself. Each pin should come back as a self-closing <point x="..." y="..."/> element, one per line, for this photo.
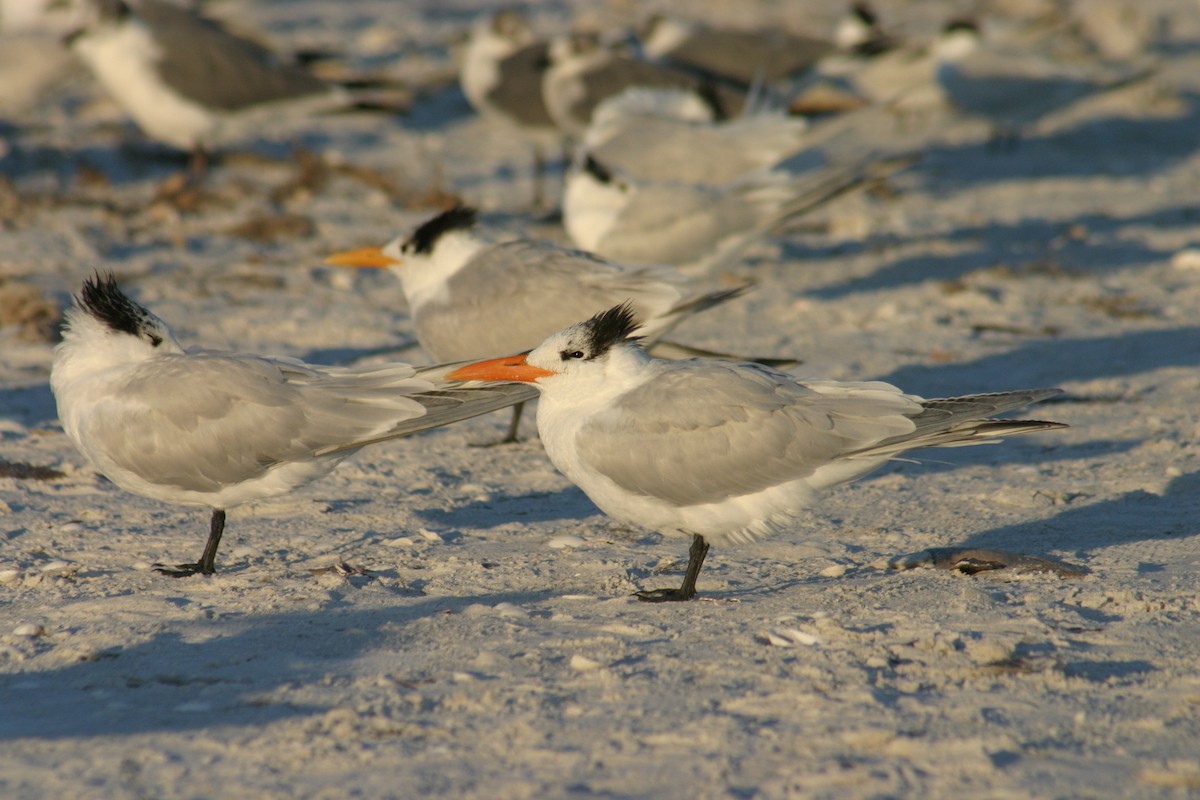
<point x="182" y="570"/>
<point x="664" y="595"/>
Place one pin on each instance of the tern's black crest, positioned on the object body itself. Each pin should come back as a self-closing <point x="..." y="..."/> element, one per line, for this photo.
<point x="104" y="300"/>
<point x="609" y="328"/>
<point x="597" y="170"/>
<point x="865" y="14"/>
<point x="425" y="237"/>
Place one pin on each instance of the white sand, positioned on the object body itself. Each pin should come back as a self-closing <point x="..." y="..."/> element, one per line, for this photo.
<point x="493" y="648"/>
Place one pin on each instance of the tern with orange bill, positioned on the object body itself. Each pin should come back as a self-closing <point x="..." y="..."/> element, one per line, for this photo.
<point x="717" y="451"/>
<point x="475" y="292"/>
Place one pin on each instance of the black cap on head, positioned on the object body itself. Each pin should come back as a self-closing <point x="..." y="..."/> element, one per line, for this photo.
<point x="424" y="238"/>
<point x="609" y="328"/>
<point x="104" y="300"/>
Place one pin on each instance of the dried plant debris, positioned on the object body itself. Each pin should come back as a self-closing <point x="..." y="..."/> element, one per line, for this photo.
<point x="28" y="472"/>
<point x="973" y="560"/>
<point x="273" y="227"/>
<point x="36" y="317"/>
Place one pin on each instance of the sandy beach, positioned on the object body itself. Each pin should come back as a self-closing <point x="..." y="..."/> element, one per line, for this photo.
<point x="440" y="620"/>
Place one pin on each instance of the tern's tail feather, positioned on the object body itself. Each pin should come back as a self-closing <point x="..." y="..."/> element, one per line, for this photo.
<point x="813" y="191"/>
<point x="961" y="421"/>
<point x="450" y="403"/>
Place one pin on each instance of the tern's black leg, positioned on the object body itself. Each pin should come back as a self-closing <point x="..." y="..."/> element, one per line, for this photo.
<point x="206" y="565"/>
<point x="696" y="555"/>
<point x="511" y="436"/>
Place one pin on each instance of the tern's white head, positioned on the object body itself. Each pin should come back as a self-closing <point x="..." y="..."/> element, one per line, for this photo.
<point x="958" y="39"/>
<point x="593" y="199"/>
<point x="592" y="360"/>
<point x="425" y="258"/>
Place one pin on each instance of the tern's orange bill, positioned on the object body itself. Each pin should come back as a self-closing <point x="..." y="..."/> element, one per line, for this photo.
<point x="363" y="257"/>
<point x="508" y="368"/>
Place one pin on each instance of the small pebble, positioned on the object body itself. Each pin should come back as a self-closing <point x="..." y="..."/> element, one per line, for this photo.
<point x="833" y="571"/>
<point x="29" y="629"/>
<point x="1188" y="258"/>
<point x="9" y="575"/>
<point x="430" y="536"/>
<point x="564" y="541"/>
<point x="57" y="566"/>
<point x="584" y="664"/>
<point x="194" y="706"/>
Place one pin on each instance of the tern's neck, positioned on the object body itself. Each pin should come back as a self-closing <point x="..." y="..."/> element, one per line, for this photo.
<point x="480" y="69"/>
<point x="424" y="279"/>
<point x="590" y="208"/>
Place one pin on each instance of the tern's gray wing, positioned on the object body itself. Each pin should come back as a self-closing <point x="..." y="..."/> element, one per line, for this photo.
<point x="518" y="92"/>
<point x="676" y="223"/>
<point x="651" y="149"/>
<point x="205" y="421"/>
<point x="211" y="66"/>
<point x="511" y="296"/>
<point x="749" y="56"/>
<point x="749" y="428"/>
<point x="620" y="73"/>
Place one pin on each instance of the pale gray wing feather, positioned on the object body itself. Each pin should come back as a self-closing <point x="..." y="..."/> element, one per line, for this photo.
<point x="674" y="223"/>
<point x="205" y="421"/>
<point x="652" y="149"/>
<point x="511" y="296"/>
<point x="206" y="63"/>
<point x="749" y="427"/>
<point x="749" y="56"/>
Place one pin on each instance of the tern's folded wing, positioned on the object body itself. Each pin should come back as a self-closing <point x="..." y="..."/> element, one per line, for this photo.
<point x="204" y="421"/>
<point x="706" y="432"/>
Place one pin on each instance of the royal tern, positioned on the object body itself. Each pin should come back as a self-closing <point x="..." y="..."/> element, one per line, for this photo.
<point x="672" y="135"/>
<point x="186" y="80"/>
<point x="501" y="76"/>
<point x="746" y="57"/>
<point x="695" y="226"/>
<point x="472" y="292"/>
<point x="217" y="429"/>
<point x="32" y="59"/>
<point x="1013" y="88"/>
<point x="718" y="451"/>
<point x="584" y="72"/>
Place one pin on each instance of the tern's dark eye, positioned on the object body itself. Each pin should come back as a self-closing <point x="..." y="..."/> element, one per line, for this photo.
<point x="567" y="355"/>
<point x="155" y="339"/>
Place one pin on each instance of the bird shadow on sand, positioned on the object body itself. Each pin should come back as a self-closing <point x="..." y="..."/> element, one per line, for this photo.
<point x="566" y="505"/>
<point x="1134" y="516"/>
<point x="32" y="406"/>
<point x="1052" y="361"/>
<point x="1079" y="247"/>
<point x="230" y="677"/>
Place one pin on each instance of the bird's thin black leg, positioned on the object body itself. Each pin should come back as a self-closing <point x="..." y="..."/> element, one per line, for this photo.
<point x="207" y="563"/>
<point x="511" y="436"/>
<point x="696" y="555"/>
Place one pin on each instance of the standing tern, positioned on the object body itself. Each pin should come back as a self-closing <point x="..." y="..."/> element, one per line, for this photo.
<point x="584" y="72"/>
<point x="1013" y="88"/>
<point x="186" y="80"/>
<point x="719" y="451"/>
<point x="696" y="226"/>
<point x="472" y="293"/>
<point x="501" y="76"/>
<point x="217" y="429"/>
<point x="674" y="135"/>
<point x="746" y="57"/>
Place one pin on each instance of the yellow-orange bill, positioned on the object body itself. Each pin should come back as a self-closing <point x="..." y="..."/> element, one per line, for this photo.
<point x="363" y="257"/>
<point x="508" y="368"/>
